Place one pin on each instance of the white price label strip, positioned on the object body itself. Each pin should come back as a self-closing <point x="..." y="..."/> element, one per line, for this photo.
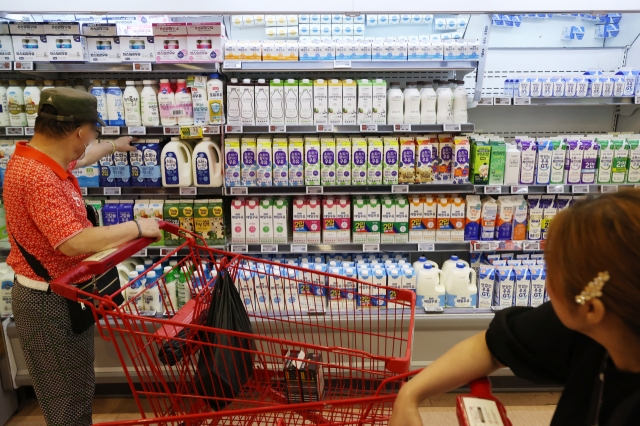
<point x="83" y="191"/>
<point x="402" y="127"/>
<point x="580" y="189"/>
<point x="141" y="253"/>
<point x="29" y="131"/>
<point x="269" y="248"/>
<point x="166" y="251"/>
<point x="368" y="127"/>
<point x="143" y="67"/>
<point x="522" y="101"/>
<point x="137" y="130"/>
<point x="342" y="64"/>
<point x="487" y="100"/>
<point x="111" y="130"/>
<point x="426" y="247"/>
<point x="322" y="128"/>
<point x="520" y="189"/>
<point x="399" y="189"/>
<point x="531" y="245"/>
<point x="371" y="247"/>
<point x="277" y="128"/>
<point x="112" y="191"/>
<point x="315" y="190"/>
<point x="493" y="189"/>
<point x="637" y="100"/>
<point x="167" y="131"/>
<point x="189" y="191"/>
<point x="239" y="248"/>
<point x="239" y="190"/>
<point x="233" y="129"/>
<point x="451" y="128"/>
<point x="502" y="101"/>
<point x="232" y="65"/>
<point x="298" y="248"/>
<point x="211" y="130"/>
<point x="607" y="189"/>
<point x="555" y="189"/>
<point x="6" y="65"/>
<point x="14" y="131"/>
<point x="23" y="66"/>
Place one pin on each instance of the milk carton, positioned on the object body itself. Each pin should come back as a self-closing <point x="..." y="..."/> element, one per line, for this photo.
<point x="311" y="161"/>
<point x="249" y="165"/>
<point x="373" y="220"/>
<point x="350" y="102"/>
<point x="504" y="218"/>
<point x="264" y="174"/>
<point x="374" y="163"/>
<point x="266" y="221"/>
<point x="558" y="158"/>
<point x="426" y="161"/>
<point x="443" y="228"/>
<point x="416" y="227"/>
<point x="296" y="161"/>
<point x="458" y="214"/>
<point x="280" y="162"/>
<point x="252" y="220"/>
<point x="472" y="218"/>
<point x="522" y="288"/>
<point x="548" y="203"/>
<point x="320" y="101"/>
<point x="589" y="148"/>
<point x="605" y="160"/>
<point x="538" y="279"/>
<point x="359" y="155"/>
<point x="291" y="102"/>
<point x="328" y="164"/>
<point x="486" y="282"/>
<point x="279" y="277"/>
<point x="276" y="97"/>
<point x="504" y="287"/>
<point x="343" y="161"/>
<point x="280" y="220"/>
<point x="359" y="220"/>
<point x="387" y="218"/>
<point x="534" y="223"/>
<point x="407" y="160"/>
<point x="363" y="299"/>
<point x="334" y="99"/>
<point x="365" y="101"/>
<point x="488" y="218"/>
<point x="620" y="155"/>
<point x="545" y="154"/>
<point x="512" y="164"/>
<point x="343" y="220"/>
<point x="633" y="164"/>
<point x="329" y="229"/>
<point x="313" y="220"/>
<point x="299" y="216"/>
<point x="480" y="160"/>
<point x="445" y="154"/>
<point x="573" y="164"/>
<point x="201" y="219"/>
<point x="379" y="101"/>
<point x="520" y="211"/>
<point x="461" y="161"/>
<point x="390" y="162"/>
<point x="527" y="148"/>
<point x="171" y="213"/>
<point x="335" y="285"/>
<point x="429" y="218"/>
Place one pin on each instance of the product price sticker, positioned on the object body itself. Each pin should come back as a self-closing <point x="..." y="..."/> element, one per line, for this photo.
<point x="493" y="189"/>
<point x="555" y="189"/>
<point x="371" y="247"/>
<point x="277" y="128"/>
<point x="211" y="130"/>
<point x="608" y="189"/>
<point x="232" y="65"/>
<point x="485" y="100"/>
<point x="520" y="189"/>
<point x="232" y="129"/>
<point x="190" y="132"/>
<point x="191" y="190"/>
<point x="637" y="100"/>
<point x="269" y="248"/>
<point x="136" y="130"/>
<point x="141" y="253"/>
<point x="23" y="66"/>
<point x="342" y="64"/>
<point x="433" y="309"/>
<point x="315" y="190"/>
<point x="239" y="190"/>
<point x="531" y="245"/>
<point x="142" y="67"/>
<point x="580" y="189"/>
<point x="14" y="131"/>
<point x="522" y="101"/>
<point x="451" y="128"/>
<point x="368" y="127"/>
<point x="6" y="65"/>
<point x="402" y="127"/>
<point x="110" y="130"/>
<point x="171" y="130"/>
<point x="239" y="248"/>
<point x="197" y="81"/>
<point x="324" y="128"/>
<point x="399" y="189"/>
<point x="502" y="100"/>
<point x="168" y="251"/>
<point x="298" y="248"/>
<point x="112" y="191"/>
<point x="83" y="191"/>
<point x="426" y="247"/>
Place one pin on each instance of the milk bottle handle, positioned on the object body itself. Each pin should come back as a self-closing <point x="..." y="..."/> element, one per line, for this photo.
<point x="473" y="277"/>
<point x="218" y="169"/>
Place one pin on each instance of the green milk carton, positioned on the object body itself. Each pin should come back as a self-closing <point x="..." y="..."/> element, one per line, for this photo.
<point x="620" y="156"/>
<point x="216" y="215"/>
<point x="374" y="213"/>
<point x="605" y="159"/>
<point x="497" y="162"/>
<point x="633" y="164"/>
<point x="480" y="162"/>
<point x="359" y="220"/>
<point x="202" y="220"/>
<point x="558" y="157"/>
<point x="171" y="215"/>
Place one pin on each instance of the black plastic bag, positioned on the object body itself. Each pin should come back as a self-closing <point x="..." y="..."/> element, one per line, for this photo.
<point x="221" y="371"/>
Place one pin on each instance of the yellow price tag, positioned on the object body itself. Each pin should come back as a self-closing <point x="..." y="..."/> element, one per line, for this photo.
<point x="190" y="132"/>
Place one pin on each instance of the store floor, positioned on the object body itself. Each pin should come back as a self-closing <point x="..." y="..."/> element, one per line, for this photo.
<point x="524" y="409"/>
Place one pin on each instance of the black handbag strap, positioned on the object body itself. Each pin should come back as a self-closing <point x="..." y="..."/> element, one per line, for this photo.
<point x="34" y="263"/>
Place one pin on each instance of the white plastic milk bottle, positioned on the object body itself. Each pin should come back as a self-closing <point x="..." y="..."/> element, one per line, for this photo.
<point x="149" y="105"/>
<point x="151" y="295"/>
<point x="114" y="104"/>
<point x="215" y="91"/>
<point x="445" y="104"/>
<point x="395" y="104"/>
<point x="412" y="104"/>
<point x="430" y="290"/>
<point x="460" y="103"/>
<point x="133" y="290"/>
<point x="207" y="164"/>
<point x="450" y="264"/>
<point x="184" y="104"/>
<point x="4" y="107"/>
<point x="418" y="264"/>
<point x="6" y="285"/>
<point x="168" y="293"/>
<point x="167" y="104"/>
<point x="131" y="100"/>
<point x="428" y="104"/>
<point x="176" y="164"/>
<point x="460" y="285"/>
<point x="31" y="102"/>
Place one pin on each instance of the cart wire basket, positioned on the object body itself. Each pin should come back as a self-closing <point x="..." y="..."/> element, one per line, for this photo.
<point x="324" y="349"/>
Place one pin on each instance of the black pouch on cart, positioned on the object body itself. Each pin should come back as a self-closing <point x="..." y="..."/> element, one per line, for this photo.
<point x="223" y="370"/>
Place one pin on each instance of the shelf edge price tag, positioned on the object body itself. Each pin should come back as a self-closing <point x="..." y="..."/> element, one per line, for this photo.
<point x="402" y="127"/>
<point x="14" y="131"/>
<point x="232" y="65"/>
<point x="83" y="191"/>
<point x="190" y="132"/>
<point x="321" y="128"/>
<point x="166" y="251"/>
<point x="485" y="100"/>
<point x="114" y="190"/>
<point x="111" y="130"/>
<point x="501" y="100"/>
<point x="368" y="127"/>
<point x="555" y="189"/>
<point x="433" y="309"/>
<point x="239" y="190"/>
<point x="371" y="247"/>
<point x="191" y="190"/>
<point x="29" y="131"/>
<point x="277" y="128"/>
<point x="143" y="67"/>
<point x="519" y="189"/>
<point x="211" y="130"/>
<point x="141" y="253"/>
<point x="137" y="130"/>
<point x="6" y="65"/>
<point x="399" y="189"/>
<point x="23" y="66"/>
<point x="315" y="190"/>
<point x="233" y="129"/>
<point x="171" y="130"/>
<point x="607" y="189"/>
<point x="269" y="248"/>
<point x="493" y="189"/>
<point x="298" y="248"/>
<point x="342" y="64"/>
<point x="239" y="248"/>
<point x="451" y="128"/>
<point x="531" y="245"/>
<point x="522" y="101"/>
<point x="580" y="189"/>
<point x="637" y="100"/>
<point x="426" y="247"/>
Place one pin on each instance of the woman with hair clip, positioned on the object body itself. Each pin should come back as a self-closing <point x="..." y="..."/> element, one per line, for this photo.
<point x="587" y="338"/>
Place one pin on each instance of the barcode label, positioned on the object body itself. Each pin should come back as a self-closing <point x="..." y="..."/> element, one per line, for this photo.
<point x="239" y="248"/>
<point x="24" y="66"/>
<point x="520" y="189"/>
<point x="580" y="189"/>
<point x="371" y="247"/>
<point x="189" y="191"/>
<point x="142" y="67"/>
<point x="555" y="189"/>
<point x="314" y="190"/>
<point x="29" y="131"/>
<point x="607" y="189"/>
<point x="141" y="253"/>
<point x="493" y="189"/>
<point x="211" y="130"/>
<point x="177" y="112"/>
<point x="269" y="248"/>
<point x="112" y="191"/>
<point x="239" y="190"/>
<point x="399" y="189"/>
<point x="426" y="247"/>
<point x="298" y="248"/>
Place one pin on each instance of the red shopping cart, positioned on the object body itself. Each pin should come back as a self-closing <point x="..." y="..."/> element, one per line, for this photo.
<point x="325" y="349"/>
<point x="480" y="407"/>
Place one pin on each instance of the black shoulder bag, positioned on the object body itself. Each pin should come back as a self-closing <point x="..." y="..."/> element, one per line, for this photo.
<point x="106" y="284"/>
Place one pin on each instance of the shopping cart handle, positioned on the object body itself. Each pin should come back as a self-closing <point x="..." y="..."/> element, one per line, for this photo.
<point x="481" y="387"/>
<point x="169" y="227"/>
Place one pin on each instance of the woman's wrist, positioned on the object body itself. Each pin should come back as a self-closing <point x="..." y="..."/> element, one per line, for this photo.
<point x="138" y="228"/>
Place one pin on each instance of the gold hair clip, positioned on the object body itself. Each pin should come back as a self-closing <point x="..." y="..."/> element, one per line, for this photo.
<point x="593" y="289"/>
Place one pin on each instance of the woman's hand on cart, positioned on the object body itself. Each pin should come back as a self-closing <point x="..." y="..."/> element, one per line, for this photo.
<point x="405" y="411"/>
<point x="150" y="228"/>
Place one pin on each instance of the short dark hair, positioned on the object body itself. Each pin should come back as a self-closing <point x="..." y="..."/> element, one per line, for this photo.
<point x="53" y="128"/>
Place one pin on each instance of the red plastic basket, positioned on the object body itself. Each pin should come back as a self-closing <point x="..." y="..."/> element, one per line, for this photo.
<point x="364" y="353"/>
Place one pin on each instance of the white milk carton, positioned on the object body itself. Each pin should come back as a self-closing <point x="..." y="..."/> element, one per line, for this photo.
<point x="504" y="219"/>
<point x="249" y="165"/>
<point x="359" y="220"/>
<point x="573" y="165"/>
<point x="299" y="216"/>
<point x="528" y="149"/>
<point x="504" y="286"/>
<point x="359" y="155"/>
<point x="443" y="229"/>
<point x="620" y="156"/>
<point x="262" y="303"/>
<point x="548" y="203"/>
<point x="538" y="287"/>
<point x="245" y="284"/>
<point x="472" y="218"/>
<point x="311" y="161"/>
<point x="232" y="157"/>
<point x="374" y="163"/>
<point x="379" y="101"/>
<point x="265" y="167"/>
<point x="276" y="97"/>
<point x="335" y="285"/>
<point x="387" y="218"/>
<point x="365" y="101"/>
<point x="373" y="220"/>
<point x="238" y="228"/>
<point x="458" y="214"/>
<point x="416" y="227"/>
<point x="349" y="102"/>
<point x="280" y="220"/>
<point x="590" y="149"/>
<point x="280" y="162"/>
<point x="522" y="289"/>
<point x="488" y="219"/>
<point x="558" y="158"/>
<point x="252" y="220"/>
<point x="320" y="98"/>
<point x="605" y="159"/>
<point x="334" y="100"/>
<point x="520" y="211"/>
<point x="390" y="161"/>
<point x="313" y="221"/>
<point x="534" y="223"/>
<point x="305" y="102"/>
<point x="512" y="165"/>
<point x="545" y="154"/>
<point x="296" y="161"/>
<point x="328" y="161"/>
<point x="343" y="220"/>
<point x="266" y="221"/>
<point x="329" y="231"/>
<point x="279" y="276"/>
<point x="633" y="164"/>
<point x="343" y="161"/>
<point x="486" y="282"/>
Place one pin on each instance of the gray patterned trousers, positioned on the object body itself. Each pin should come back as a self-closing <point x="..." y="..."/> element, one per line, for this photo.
<point x="60" y="362"/>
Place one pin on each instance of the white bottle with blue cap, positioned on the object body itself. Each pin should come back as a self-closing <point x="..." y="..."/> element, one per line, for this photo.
<point x="460" y="287"/>
<point x="151" y="295"/>
<point x="450" y="264"/>
<point x="418" y="264"/>
<point x="133" y="295"/>
<point x="430" y="289"/>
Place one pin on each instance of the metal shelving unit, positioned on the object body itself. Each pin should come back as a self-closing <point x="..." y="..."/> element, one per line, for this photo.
<point x="552" y="189"/>
<point x="516" y="101"/>
<point x="435" y="188"/>
<point x="120" y="68"/>
<point x="462" y="246"/>
<point x="347" y="65"/>
<point x="365" y="128"/>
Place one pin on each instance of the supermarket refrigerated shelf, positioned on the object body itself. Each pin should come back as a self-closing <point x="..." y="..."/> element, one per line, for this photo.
<point x="462" y="246"/>
<point x="149" y="251"/>
<point x="347" y="65"/>
<point x="552" y="189"/>
<point x="423" y="188"/>
<point x="150" y="192"/>
<point x="527" y="101"/>
<point x="117" y="67"/>
<point x="364" y="128"/>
